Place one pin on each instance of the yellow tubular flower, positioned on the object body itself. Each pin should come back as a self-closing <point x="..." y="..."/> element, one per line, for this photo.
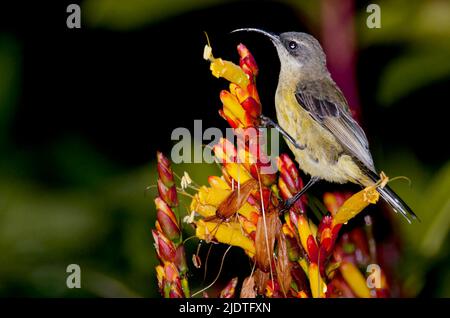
<point x="355" y="204"/>
<point x="238" y="172"/>
<point x="230" y="71"/>
<point x="249" y="212"/>
<point x="206" y="201"/>
<point x="227" y="233"/>
<point x="304" y="265"/>
<point x="218" y="182"/>
<point x="231" y="107"/>
<point x="226" y="69"/>
<point x="239" y="92"/>
<point x="304" y="231"/>
<point x="316" y="283"/>
<point x="355" y="279"/>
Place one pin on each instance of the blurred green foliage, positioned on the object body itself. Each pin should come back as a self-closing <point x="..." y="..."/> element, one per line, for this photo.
<point x="103" y="226"/>
<point x="132" y="14"/>
<point x="426" y="242"/>
<point x="423" y="27"/>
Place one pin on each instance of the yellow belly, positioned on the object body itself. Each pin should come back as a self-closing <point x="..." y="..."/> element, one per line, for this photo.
<point x="323" y="156"/>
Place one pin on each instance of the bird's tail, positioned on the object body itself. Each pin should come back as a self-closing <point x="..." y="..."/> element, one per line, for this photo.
<point x="397" y="204"/>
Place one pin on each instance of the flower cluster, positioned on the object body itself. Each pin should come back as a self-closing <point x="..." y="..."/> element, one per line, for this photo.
<point x="293" y="256"/>
<point x="318" y="242"/>
<point x="171" y="273"/>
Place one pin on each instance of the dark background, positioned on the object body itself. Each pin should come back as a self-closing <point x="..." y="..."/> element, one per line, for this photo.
<point x="83" y="111"/>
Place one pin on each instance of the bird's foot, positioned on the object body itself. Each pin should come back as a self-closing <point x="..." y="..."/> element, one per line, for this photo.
<point x="287" y="205"/>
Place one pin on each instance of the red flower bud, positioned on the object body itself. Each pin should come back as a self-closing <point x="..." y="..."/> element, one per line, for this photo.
<point x="313" y="250"/>
<point x="253" y="108"/>
<point x="247" y="61"/>
<point x="164" y="170"/>
<point x="169" y="195"/>
<point x="167" y="220"/>
<point x="180" y="259"/>
<point x="164" y="247"/>
<point x="290" y="181"/>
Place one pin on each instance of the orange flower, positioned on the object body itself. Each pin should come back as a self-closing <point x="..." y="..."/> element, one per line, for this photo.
<point x="241" y="106"/>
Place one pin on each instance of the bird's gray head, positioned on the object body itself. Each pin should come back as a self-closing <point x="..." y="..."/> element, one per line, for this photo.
<point x="297" y="50"/>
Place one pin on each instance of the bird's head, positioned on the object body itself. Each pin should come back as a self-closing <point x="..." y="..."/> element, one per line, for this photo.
<point x="297" y="51"/>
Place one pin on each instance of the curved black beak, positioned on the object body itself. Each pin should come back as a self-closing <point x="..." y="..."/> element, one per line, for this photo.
<point x="274" y="38"/>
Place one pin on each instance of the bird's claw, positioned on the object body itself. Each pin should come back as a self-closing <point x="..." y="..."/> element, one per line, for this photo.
<point x="286" y="206"/>
<point x="266" y="121"/>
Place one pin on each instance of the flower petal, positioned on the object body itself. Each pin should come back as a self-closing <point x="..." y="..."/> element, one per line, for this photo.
<point x="227" y="233"/>
<point x="316" y="283"/>
<point x="355" y="204"/>
<point x="230" y="71"/>
<point x="354" y="279"/>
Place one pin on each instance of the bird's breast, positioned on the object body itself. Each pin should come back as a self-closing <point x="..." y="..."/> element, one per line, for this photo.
<point x="322" y="155"/>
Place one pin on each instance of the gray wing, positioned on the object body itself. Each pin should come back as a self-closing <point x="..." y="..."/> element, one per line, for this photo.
<point x="327" y="105"/>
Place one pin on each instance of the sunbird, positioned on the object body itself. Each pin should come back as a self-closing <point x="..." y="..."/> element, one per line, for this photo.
<point x="314" y="117"/>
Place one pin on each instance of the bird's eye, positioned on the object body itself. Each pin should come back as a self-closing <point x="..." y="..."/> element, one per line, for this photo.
<point x="292" y="45"/>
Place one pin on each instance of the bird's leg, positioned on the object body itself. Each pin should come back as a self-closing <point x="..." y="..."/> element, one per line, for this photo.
<point x="267" y="122"/>
<point x="291" y="201"/>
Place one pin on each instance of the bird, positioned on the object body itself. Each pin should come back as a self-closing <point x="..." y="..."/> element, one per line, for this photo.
<point x="314" y="117"/>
